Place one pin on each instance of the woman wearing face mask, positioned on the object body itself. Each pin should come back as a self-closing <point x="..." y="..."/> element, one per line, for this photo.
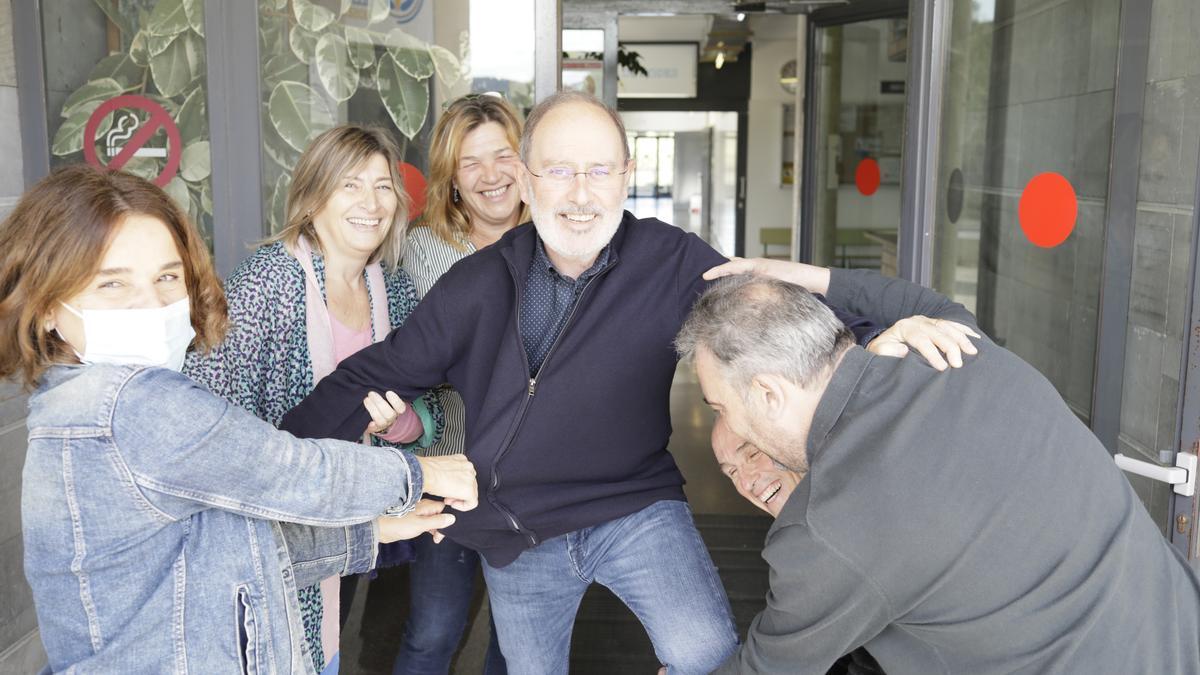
<point x="151" y="508"/>
<point x="326" y="286"/>
<point x="472" y="200"/>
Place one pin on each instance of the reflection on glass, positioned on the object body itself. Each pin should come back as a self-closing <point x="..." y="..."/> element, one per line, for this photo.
<point x="583" y="61"/>
<point x="152" y="50"/>
<point x="1006" y="118"/>
<point x="860" y="85"/>
<point x="502" y="47"/>
<point x="391" y="64"/>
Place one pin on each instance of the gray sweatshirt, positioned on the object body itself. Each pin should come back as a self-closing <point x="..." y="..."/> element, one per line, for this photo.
<point x="963" y="522"/>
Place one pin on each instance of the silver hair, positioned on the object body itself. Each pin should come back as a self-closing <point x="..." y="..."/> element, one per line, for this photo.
<point x="566" y="97"/>
<point x="754" y="325"/>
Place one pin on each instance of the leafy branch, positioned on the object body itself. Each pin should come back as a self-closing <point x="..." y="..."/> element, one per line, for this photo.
<point x="631" y="61"/>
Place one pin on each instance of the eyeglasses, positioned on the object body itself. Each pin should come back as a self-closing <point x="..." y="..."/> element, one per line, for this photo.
<point x="598" y="176"/>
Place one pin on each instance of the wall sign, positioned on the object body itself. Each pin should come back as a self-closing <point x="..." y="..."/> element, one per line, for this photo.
<point x="129" y="136"/>
<point x="670" y="67"/>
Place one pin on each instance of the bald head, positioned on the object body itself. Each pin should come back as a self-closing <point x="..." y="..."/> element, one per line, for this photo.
<point x="725" y="443"/>
<point x="574" y="106"/>
<point x="761" y="480"/>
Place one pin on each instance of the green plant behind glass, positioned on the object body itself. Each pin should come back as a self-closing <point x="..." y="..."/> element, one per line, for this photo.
<point x="316" y="59"/>
<point x="313" y="62"/>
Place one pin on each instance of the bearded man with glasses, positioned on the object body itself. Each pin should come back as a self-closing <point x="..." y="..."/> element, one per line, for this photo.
<point x="559" y="339"/>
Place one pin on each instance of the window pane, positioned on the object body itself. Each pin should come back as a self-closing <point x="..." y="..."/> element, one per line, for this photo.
<point x="1028" y="91"/>
<point x="392" y="64"/>
<point x="153" y="51"/>
<point x="860" y="75"/>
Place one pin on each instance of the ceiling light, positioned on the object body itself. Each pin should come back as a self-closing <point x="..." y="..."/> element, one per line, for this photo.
<point x="720" y="60"/>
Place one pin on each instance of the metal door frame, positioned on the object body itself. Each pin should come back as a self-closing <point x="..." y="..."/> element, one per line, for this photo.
<point x="825" y="18"/>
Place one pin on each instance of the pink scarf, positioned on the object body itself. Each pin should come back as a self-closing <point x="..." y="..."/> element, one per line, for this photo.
<point x="320" y="350"/>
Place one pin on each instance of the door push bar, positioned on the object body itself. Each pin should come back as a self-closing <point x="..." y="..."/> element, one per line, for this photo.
<point x="1182" y="476"/>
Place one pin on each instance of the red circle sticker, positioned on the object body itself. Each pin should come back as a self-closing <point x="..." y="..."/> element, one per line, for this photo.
<point x="1047" y="210"/>
<point x="866" y="176"/>
<point x="414" y="186"/>
<point x="128" y="138"/>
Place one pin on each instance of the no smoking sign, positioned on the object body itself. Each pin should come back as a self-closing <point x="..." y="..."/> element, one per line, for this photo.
<point x="129" y="136"/>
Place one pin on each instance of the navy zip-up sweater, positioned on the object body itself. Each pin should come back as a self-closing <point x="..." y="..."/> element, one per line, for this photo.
<point x="582" y="443"/>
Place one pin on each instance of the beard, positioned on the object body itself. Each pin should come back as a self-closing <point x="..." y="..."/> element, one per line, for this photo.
<point x="571" y="244"/>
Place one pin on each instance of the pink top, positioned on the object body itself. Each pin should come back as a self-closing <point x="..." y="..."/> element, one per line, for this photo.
<point x="346" y="341"/>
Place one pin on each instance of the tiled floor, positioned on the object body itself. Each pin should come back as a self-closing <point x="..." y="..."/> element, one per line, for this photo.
<point x="732" y="527"/>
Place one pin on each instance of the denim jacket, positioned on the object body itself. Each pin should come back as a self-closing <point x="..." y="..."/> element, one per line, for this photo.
<point x="167" y="530"/>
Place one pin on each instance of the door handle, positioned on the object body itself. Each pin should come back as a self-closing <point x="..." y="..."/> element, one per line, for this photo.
<point x="1182" y="476"/>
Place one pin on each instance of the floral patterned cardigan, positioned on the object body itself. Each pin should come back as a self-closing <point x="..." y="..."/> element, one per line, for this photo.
<point x="264" y="365"/>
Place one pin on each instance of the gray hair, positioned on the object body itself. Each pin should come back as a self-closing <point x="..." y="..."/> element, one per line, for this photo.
<point x="753" y="325"/>
<point x="566" y="97"/>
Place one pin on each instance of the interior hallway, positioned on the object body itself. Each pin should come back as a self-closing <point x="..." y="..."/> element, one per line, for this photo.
<point x="607" y="638"/>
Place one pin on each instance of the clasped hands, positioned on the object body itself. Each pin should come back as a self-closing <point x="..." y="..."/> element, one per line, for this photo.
<point x="450" y="477"/>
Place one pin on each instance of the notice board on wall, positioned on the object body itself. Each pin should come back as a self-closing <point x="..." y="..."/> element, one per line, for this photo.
<point x="671" y="71"/>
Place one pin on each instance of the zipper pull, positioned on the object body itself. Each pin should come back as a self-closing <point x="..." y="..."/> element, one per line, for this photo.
<point x="532" y="385"/>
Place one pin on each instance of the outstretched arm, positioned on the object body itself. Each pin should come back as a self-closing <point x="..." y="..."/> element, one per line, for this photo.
<point x="884" y="300"/>
<point x="888" y="299"/>
<point x="412" y="359"/>
<point x="815" y="279"/>
<point x="203" y="452"/>
<point x="919" y="318"/>
<point x="320" y="552"/>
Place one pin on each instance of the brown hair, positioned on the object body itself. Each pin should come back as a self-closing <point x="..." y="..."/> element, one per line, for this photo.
<point x="53" y="244"/>
<point x="447" y="218"/>
<point x="324" y="162"/>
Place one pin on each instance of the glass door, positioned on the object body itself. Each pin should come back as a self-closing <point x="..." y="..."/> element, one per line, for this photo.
<point x="1026" y="185"/>
<point x="856" y="135"/>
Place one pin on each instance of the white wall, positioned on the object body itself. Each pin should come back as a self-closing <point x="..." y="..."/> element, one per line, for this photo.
<point x="768" y="204"/>
<point x="864" y="50"/>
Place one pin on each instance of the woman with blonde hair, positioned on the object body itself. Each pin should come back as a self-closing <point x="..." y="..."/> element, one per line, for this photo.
<point x="471" y="201"/>
<point x="166" y="530"/>
<point x="322" y="288"/>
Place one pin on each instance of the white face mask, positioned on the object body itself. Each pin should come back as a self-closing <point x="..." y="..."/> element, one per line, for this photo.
<point x="146" y="337"/>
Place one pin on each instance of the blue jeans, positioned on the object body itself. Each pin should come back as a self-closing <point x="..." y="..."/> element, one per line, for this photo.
<point x="442" y="581"/>
<point x="653" y="560"/>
